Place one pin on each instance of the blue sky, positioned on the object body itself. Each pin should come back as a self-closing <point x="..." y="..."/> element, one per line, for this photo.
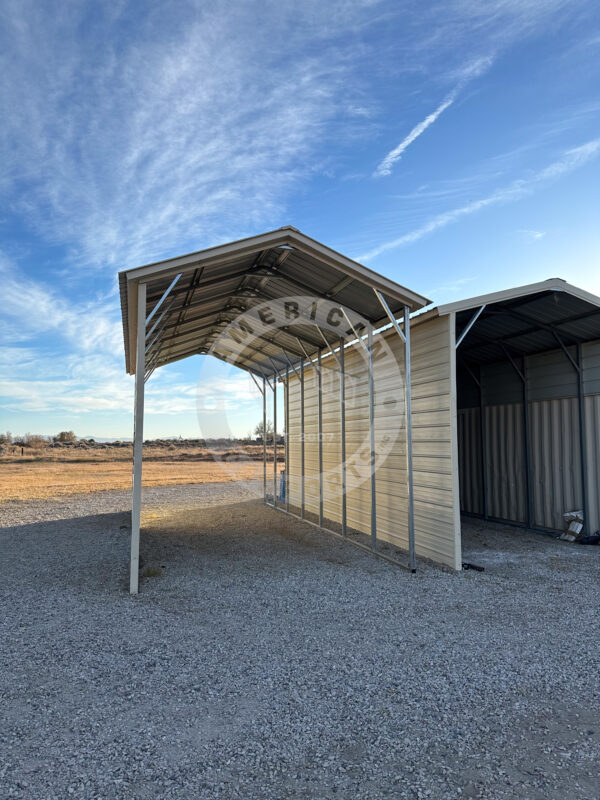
<point x="453" y="146"/>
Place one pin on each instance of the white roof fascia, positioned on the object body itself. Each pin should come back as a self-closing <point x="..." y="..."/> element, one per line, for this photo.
<point x="290" y="237"/>
<point x="553" y="284"/>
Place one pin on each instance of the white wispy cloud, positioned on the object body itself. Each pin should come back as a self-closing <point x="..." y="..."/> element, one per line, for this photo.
<point x="130" y="142"/>
<point x="470" y="72"/>
<point x="570" y="160"/>
<point x="129" y="149"/>
<point x="469" y="28"/>
<point x="83" y="390"/>
<point x="68" y="358"/>
<point x="531" y="236"/>
<point x="32" y="308"/>
<point x="139" y="130"/>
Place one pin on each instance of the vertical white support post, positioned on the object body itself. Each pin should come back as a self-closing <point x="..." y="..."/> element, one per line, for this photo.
<point x="287" y="439"/>
<point x="343" y="432"/>
<point x="320" y="434"/>
<point x="264" y="440"/>
<point x="275" y="441"/>
<point x="409" y="443"/>
<point x="138" y="440"/>
<point x="303" y="480"/>
<point x="372" y="440"/>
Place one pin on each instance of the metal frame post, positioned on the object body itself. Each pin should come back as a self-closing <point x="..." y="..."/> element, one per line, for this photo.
<point x="577" y="365"/>
<point x="343" y="434"/>
<point x="522" y="373"/>
<point x="287" y="439"/>
<point x="409" y="442"/>
<point x="372" y="440"/>
<point x="320" y="434"/>
<point x="283" y="510"/>
<point x="275" y="441"/>
<point x="405" y="338"/>
<point x="264" y="440"/>
<point x="303" y="480"/>
<point x="582" y="440"/>
<point x="138" y="441"/>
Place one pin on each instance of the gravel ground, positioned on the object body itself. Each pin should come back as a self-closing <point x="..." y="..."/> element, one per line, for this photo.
<point x="271" y="661"/>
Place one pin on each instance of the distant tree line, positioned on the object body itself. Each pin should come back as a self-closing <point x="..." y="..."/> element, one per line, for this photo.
<point x="36" y="440"/>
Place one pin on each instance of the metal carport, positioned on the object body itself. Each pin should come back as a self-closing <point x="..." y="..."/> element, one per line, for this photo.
<point x="216" y="302"/>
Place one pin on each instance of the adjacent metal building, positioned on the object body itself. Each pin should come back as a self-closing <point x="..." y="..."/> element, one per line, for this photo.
<point x="395" y="422"/>
<point x="528" y="398"/>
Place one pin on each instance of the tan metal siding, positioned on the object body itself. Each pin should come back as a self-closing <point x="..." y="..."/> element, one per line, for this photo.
<point x="505" y="467"/>
<point x="437" y="535"/>
<point x="469" y="454"/>
<point x="555" y="447"/>
<point x="555" y="461"/>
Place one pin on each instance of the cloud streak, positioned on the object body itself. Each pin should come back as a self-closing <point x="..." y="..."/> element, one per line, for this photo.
<point x="130" y="149"/>
<point x="571" y="160"/>
<point x="36" y="375"/>
<point x="186" y="130"/>
<point x="385" y="166"/>
<point x="472" y="71"/>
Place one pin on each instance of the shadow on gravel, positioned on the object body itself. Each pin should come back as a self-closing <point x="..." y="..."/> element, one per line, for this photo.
<point x="243" y="533"/>
<point x="81" y="553"/>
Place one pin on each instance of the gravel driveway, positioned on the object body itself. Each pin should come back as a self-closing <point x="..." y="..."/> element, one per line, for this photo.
<point x="272" y="661"/>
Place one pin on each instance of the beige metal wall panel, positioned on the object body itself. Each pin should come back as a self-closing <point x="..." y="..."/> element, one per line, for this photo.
<point x="469" y="454"/>
<point x="592" y="422"/>
<point x="437" y="534"/>
<point x="554" y="437"/>
<point x="505" y="467"/>
<point x="555" y="461"/>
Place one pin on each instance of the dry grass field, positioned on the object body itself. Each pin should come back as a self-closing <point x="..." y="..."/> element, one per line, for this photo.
<point x="48" y="472"/>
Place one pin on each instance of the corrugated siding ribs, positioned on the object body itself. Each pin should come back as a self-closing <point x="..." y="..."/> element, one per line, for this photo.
<point x="435" y="535"/>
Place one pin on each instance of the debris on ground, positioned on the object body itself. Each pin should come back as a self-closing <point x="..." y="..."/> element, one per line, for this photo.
<point x="574" y="522"/>
<point x="595" y="539"/>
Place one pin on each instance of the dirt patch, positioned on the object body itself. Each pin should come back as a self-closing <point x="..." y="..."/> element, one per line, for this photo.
<point x="30" y="479"/>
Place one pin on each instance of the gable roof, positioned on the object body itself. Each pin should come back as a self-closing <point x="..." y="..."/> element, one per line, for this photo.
<point x="218" y="284"/>
<point x="525" y="320"/>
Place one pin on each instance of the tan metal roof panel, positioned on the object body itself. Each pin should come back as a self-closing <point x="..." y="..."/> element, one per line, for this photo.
<point x="216" y="285"/>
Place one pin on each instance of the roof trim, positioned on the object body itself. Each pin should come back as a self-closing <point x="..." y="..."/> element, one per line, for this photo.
<point x="552" y="284"/>
<point x="221" y="255"/>
<point x="286" y="236"/>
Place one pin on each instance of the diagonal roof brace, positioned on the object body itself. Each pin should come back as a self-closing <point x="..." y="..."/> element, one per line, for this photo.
<point x="357" y="335"/>
<point x="390" y="316"/>
<point x="278" y="263"/>
<point x="470" y="324"/>
<point x="166" y="293"/>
